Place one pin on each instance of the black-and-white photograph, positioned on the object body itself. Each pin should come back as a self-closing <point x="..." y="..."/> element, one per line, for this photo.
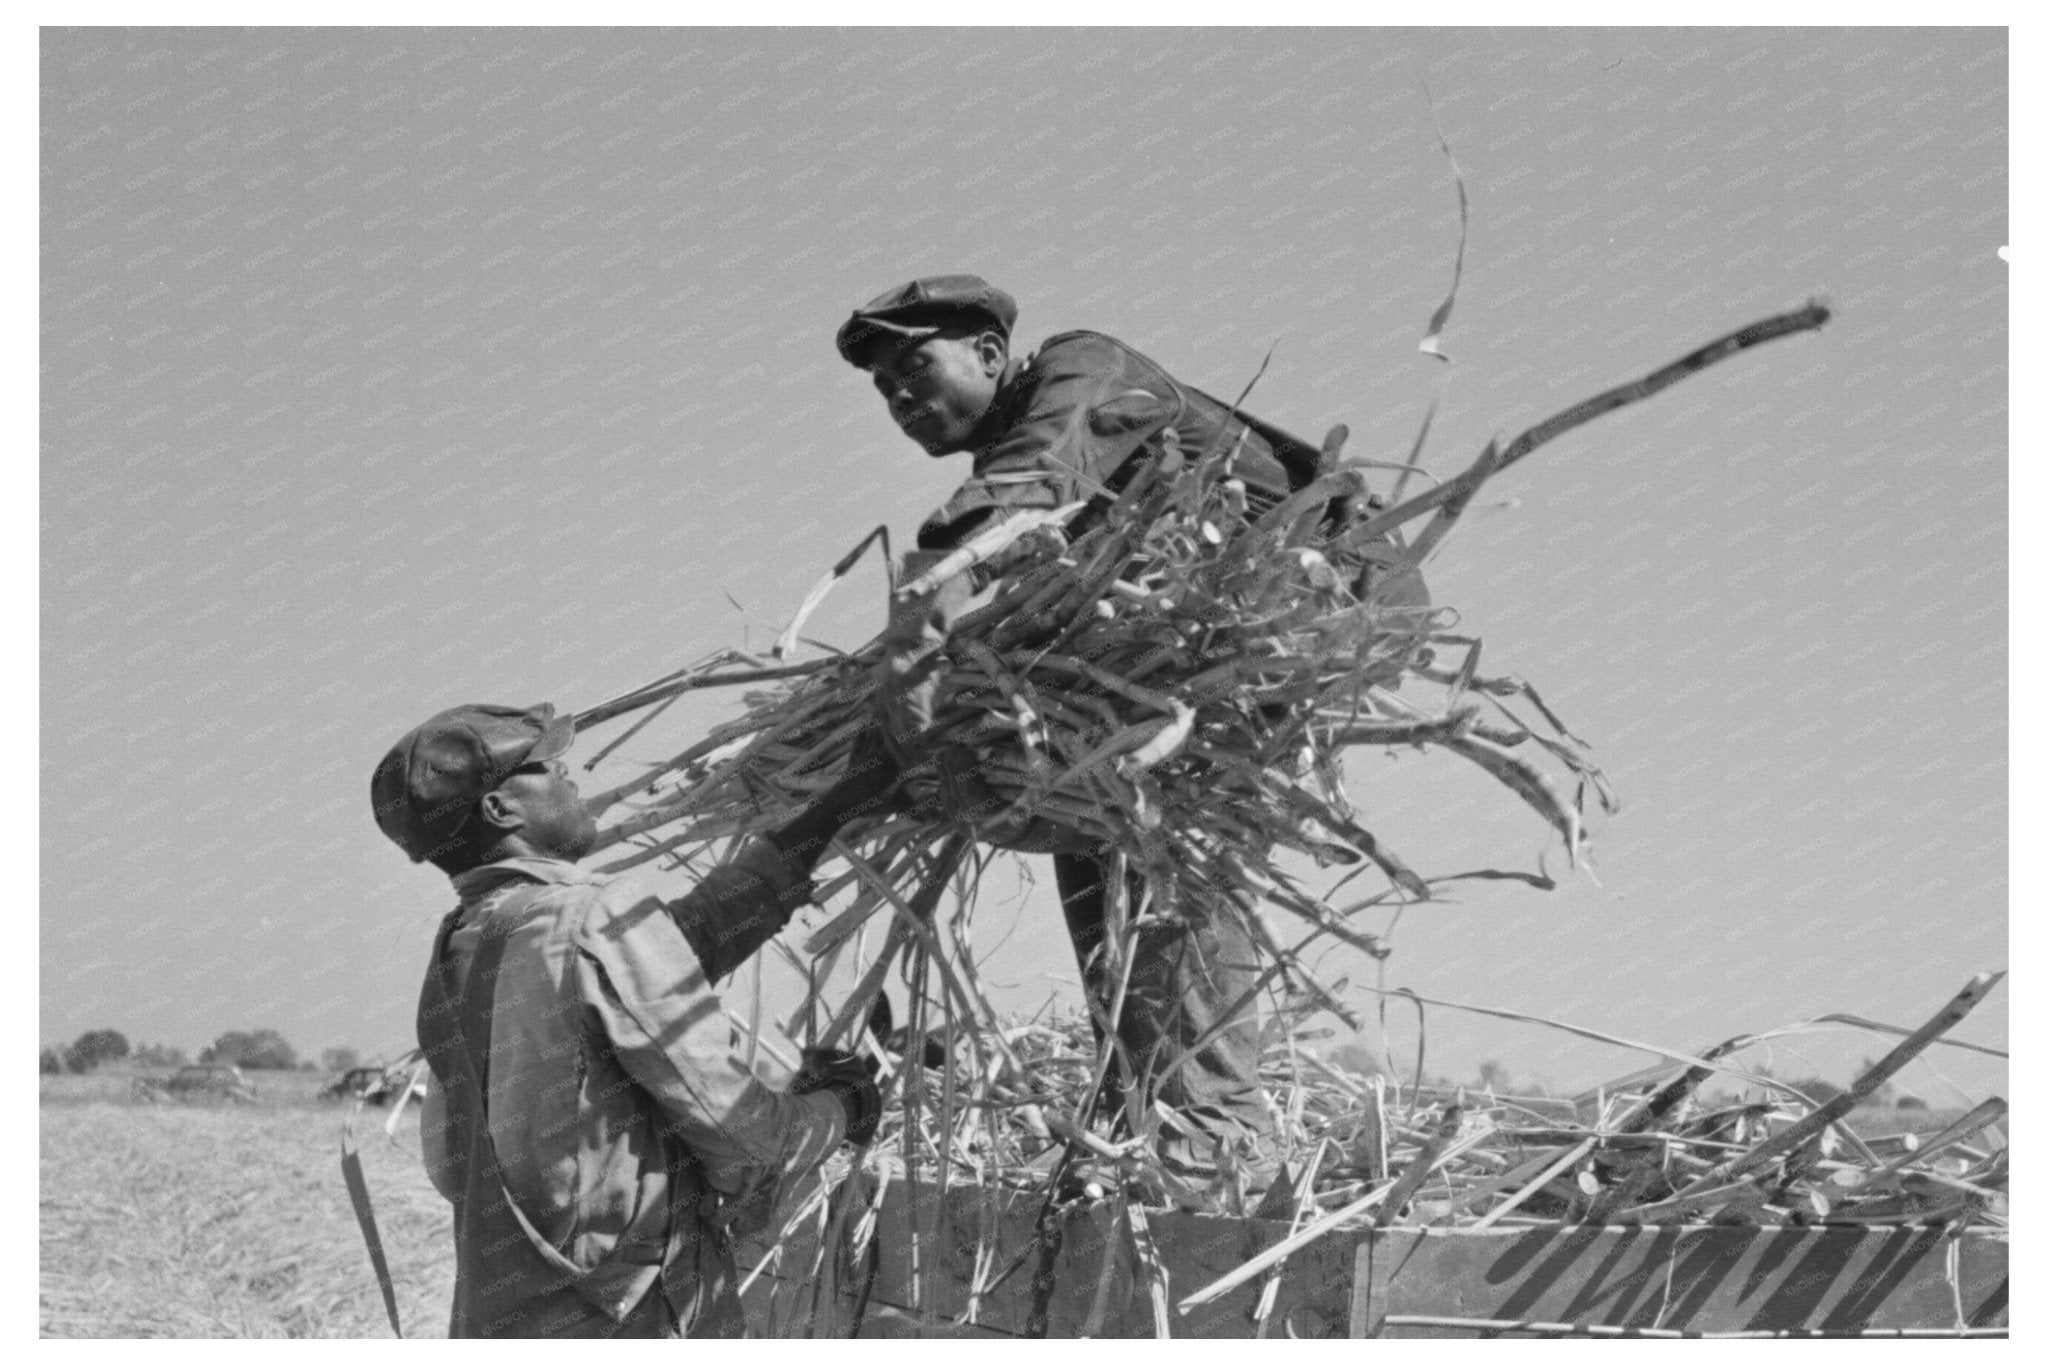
<point x="1047" y="682"/>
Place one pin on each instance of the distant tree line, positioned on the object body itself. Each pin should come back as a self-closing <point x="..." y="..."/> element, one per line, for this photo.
<point x="262" y="1049"/>
<point x="91" y="1049"/>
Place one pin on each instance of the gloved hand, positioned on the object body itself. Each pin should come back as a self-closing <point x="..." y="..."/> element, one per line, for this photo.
<point x="851" y="1082"/>
<point x="872" y="763"/>
<point x="966" y="796"/>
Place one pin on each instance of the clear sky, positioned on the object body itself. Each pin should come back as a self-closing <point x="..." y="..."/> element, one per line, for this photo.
<point x="385" y="370"/>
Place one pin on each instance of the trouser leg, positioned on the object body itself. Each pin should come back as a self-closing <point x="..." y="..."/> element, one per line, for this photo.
<point x="1185" y="979"/>
<point x="1082" y="901"/>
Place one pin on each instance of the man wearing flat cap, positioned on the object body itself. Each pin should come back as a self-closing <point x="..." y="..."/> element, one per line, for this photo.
<point x="601" y="1141"/>
<point x="1074" y="423"/>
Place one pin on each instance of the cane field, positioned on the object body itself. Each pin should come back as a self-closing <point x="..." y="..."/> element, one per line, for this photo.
<point x="216" y="1219"/>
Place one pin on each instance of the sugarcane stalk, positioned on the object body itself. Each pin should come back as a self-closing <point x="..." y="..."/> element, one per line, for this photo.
<point x="1426" y="1161"/>
<point x="1979" y="1118"/>
<point x="658" y="692"/>
<point x="1883" y="1070"/>
<point x="1813" y="315"/>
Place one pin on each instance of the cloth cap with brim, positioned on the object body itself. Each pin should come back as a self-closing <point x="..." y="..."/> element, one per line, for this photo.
<point x="426" y="788"/>
<point x="921" y="309"/>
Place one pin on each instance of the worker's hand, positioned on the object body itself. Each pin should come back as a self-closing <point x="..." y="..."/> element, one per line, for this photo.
<point x="964" y="794"/>
<point x="851" y="1082"/>
<point x="872" y="768"/>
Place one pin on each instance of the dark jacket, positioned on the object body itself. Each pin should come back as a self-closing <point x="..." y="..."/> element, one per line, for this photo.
<point x="1065" y="424"/>
<point x="1076" y="421"/>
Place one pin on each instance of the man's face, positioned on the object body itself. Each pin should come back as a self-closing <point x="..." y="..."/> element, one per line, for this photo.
<point x="554" y="820"/>
<point x="938" y="389"/>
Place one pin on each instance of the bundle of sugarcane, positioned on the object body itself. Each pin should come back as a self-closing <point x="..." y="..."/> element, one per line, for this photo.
<point x="1170" y="687"/>
<point x="1184" y="667"/>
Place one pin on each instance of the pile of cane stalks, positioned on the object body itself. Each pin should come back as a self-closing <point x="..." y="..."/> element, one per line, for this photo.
<point x="1656" y="1147"/>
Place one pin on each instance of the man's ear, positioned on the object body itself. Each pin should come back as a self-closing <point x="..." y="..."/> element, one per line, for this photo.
<point x="500" y="811"/>
<point x="992" y="349"/>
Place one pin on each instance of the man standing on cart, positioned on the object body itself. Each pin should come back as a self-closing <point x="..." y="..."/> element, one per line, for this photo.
<point x="1073" y="422"/>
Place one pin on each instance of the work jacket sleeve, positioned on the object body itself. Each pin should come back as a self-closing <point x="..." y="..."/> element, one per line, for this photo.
<point x="1079" y="411"/>
<point x="648" y="993"/>
<point x="737" y="907"/>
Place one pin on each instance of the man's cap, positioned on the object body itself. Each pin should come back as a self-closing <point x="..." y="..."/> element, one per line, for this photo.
<point x="427" y="786"/>
<point x="921" y="309"/>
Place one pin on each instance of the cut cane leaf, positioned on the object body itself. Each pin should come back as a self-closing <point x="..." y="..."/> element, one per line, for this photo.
<point x="1441" y="318"/>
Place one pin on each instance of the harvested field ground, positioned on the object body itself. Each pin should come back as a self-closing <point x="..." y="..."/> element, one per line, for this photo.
<point x="223" y="1220"/>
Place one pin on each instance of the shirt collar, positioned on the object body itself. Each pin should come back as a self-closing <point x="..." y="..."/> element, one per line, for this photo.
<point x="479" y="881"/>
<point x="999" y="419"/>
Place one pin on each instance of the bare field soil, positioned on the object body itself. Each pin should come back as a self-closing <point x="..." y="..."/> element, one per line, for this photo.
<point x="211" y="1219"/>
